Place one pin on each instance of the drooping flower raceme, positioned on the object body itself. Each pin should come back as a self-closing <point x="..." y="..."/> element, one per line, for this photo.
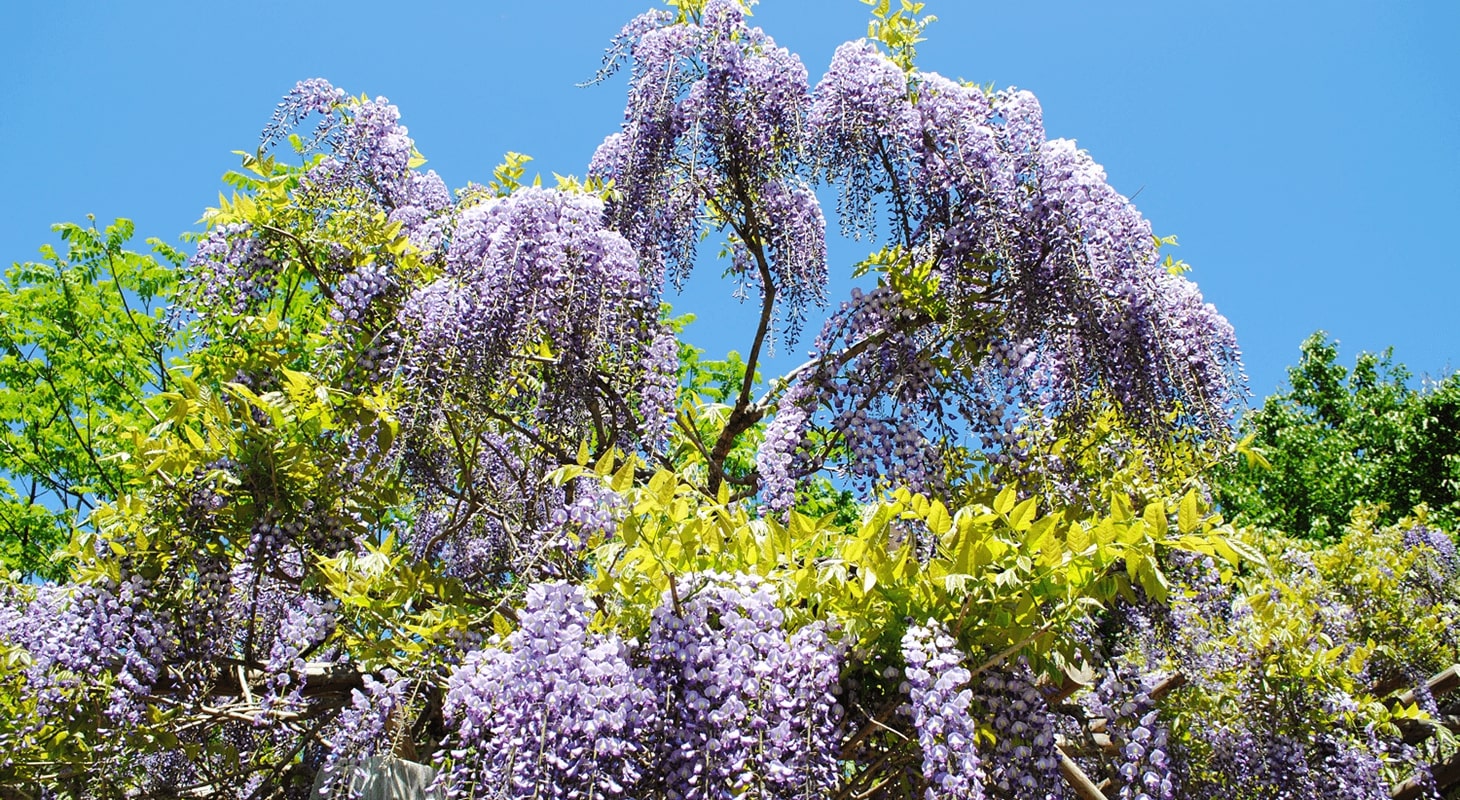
<point x="776" y="459"/>
<point x="312" y="96"/>
<point x="749" y="707"/>
<point x="305" y="625"/>
<point x="1023" y="762"/>
<point x="939" y="699"/>
<point x="1135" y="725"/>
<point x="363" y="730"/>
<point x="535" y="284"/>
<point x="715" y="131"/>
<point x="999" y="240"/>
<point x="554" y="712"/>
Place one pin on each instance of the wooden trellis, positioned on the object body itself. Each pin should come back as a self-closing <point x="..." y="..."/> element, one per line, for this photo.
<point x="1446" y="773"/>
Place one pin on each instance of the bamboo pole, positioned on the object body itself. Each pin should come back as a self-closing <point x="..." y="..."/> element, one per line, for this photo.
<point x="1077" y="779"/>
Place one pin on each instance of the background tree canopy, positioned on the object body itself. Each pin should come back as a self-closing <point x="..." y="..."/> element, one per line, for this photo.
<point x="1339" y="439"/>
<point x="86" y="354"/>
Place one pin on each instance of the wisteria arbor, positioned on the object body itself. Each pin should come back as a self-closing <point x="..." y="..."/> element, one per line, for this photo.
<point x="436" y="482"/>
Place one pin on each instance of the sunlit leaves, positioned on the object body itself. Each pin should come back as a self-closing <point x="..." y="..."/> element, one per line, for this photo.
<point x="900" y="29"/>
<point x="84" y="352"/>
<point x="997" y="575"/>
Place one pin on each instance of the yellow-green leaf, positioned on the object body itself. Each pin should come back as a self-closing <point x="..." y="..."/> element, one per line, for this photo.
<point x="1155" y="516"/>
<point x="1077" y="538"/>
<point x="1023" y="515"/>
<point x="1188" y="514"/>
<point x="938" y="520"/>
<point x="1004" y="503"/>
<point x="624" y="478"/>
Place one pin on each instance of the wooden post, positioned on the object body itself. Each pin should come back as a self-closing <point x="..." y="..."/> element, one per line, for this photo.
<point x="1442" y="683"/>
<point x="1447" y="772"/>
<point x="1172" y="682"/>
<point x="1076" y="778"/>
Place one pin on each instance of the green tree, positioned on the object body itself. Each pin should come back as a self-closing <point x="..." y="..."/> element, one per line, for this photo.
<point x="83" y="356"/>
<point x="1341" y="438"/>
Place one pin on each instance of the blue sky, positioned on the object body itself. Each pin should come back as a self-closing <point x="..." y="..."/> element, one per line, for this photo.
<point x="1306" y="153"/>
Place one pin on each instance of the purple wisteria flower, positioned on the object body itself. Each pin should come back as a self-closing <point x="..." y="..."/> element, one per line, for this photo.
<point x="556" y="712"/>
<point x="940" y="701"/>
<point x="1039" y="284"/>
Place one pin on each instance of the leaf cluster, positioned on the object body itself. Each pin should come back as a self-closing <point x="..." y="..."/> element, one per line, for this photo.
<point x="1339" y="438"/>
<point x="899" y="29"/>
<point x="1315" y="640"/>
<point x="1006" y="577"/>
<point x="85" y="350"/>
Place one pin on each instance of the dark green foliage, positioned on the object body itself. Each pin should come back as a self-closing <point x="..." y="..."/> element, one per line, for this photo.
<point x="1341" y="438"/>
<point x="818" y="497"/>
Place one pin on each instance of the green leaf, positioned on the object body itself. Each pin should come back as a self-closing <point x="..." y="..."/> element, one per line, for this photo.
<point x="1022" y="515"/>
<point x="1188" y="514"/>
<point x="1004" y="502"/>
<point x="1154" y="515"/>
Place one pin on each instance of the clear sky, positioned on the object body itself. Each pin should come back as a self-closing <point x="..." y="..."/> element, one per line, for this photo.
<point x="1306" y="152"/>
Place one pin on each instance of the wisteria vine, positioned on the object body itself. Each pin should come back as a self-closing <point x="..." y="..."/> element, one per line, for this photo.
<point x="440" y="489"/>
